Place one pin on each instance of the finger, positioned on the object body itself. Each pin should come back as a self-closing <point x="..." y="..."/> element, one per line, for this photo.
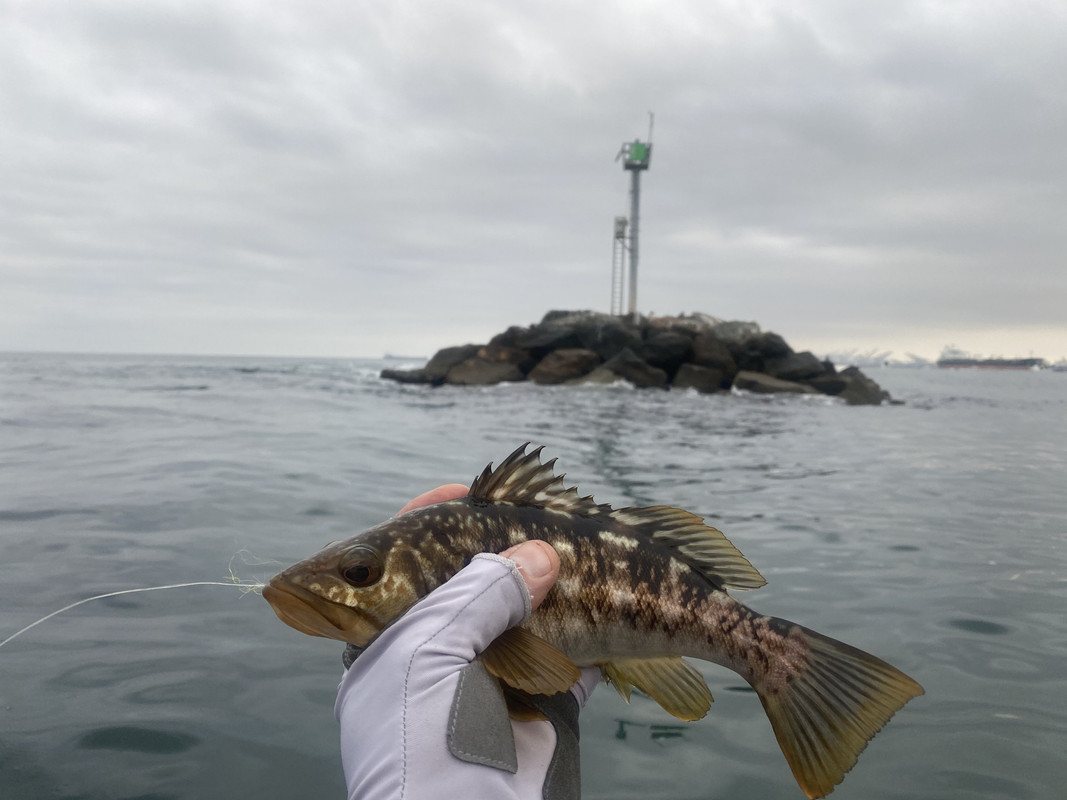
<point x="582" y="690"/>
<point x="450" y="491"/>
<point x="538" y="564"/>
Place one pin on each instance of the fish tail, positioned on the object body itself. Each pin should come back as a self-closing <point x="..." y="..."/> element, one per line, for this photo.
<point x="826" y="708"/>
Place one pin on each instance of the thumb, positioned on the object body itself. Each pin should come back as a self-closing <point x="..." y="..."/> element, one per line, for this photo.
<point x="538" y="564"/>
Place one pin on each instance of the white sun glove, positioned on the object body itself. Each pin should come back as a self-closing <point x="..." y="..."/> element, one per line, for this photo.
<point x="410" y="729"/>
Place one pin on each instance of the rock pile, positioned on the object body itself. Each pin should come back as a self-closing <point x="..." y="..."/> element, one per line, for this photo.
<point x="687" y="351"/>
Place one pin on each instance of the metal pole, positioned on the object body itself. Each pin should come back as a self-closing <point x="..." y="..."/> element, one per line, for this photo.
<point x="635" y="202"/>
<point x="618" y="266"/>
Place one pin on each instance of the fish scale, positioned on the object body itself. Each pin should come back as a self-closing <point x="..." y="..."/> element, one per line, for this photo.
<point x="638" y="590"/>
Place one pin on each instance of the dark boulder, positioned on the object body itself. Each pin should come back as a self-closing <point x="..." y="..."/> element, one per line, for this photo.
<point x="795" y="367"/>
<point x="482" y="372"/>
<point x="711" y="351"/>
<point x="753" y="353"/>
<point x="443" y="360"/>
<point x="860" y="390"/>
<point x="408" y="375"/>
<point x="506" y="354"/>
<point x="705" y="380"/>
<point x="667" y="350"/>
<point x="609" y="337"/>
<point x="560" y="330"/>
<point x="627" y="364"/>
<point x="772" y="345"/>
<point x="564" y="365"/>
<point x="735" y="332"/>
<point x="829" y="384"/>
<point x="656" y="326"/>
<point x="540" y="340"/>
<point x="687" y="324"/>
<point x="604" y="334"/>
<point x="436" y="369"/>
<point x="509" y="337"/>
<point x="761" y="383"/>
<point x="853" y="387"/>
<point x="568" y="316"/>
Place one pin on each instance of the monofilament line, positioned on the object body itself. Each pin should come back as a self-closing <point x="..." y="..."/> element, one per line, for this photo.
<point x="247" y="587"/>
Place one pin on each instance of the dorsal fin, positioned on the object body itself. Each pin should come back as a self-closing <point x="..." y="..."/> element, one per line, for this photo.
<point x="700" y="546"/>
<point x="522" y="480"/>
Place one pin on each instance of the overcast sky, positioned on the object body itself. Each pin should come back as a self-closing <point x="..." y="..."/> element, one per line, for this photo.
<point x="351" y="178"/>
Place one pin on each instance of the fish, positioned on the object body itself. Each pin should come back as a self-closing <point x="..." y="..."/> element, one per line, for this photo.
<point x="640" y="590"/>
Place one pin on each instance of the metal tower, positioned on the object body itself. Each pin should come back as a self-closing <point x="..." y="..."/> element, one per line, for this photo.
<point x="635" y="156"/>
<point x="618" y="265"/>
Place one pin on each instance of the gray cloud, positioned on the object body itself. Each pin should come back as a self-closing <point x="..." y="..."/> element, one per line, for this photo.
<point x="351" y="178"/>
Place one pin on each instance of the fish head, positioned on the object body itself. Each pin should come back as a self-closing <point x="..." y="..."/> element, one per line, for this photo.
<point x="350" y="590"/>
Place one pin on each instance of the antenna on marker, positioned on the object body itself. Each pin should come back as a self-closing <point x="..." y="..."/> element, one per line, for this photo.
<point x="636" y="156"/>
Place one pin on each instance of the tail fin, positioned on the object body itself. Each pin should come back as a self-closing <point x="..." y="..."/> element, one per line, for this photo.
<point x="824" y="716"/>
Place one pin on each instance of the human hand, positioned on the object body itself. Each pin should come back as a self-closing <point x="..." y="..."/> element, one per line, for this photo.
<point x="420" y="716"/>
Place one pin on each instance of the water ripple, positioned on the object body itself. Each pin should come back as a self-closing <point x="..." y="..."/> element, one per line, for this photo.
<point x="137" y="739"/>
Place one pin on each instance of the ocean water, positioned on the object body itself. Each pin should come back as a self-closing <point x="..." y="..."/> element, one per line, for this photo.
<point x="931" y="534"/>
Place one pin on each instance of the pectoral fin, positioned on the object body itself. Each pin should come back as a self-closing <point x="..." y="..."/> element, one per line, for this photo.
<point x="669" y="680"/>
<point x="527" y="662"/>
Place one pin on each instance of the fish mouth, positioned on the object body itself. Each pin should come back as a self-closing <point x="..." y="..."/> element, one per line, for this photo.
<point x="308" y="613"/>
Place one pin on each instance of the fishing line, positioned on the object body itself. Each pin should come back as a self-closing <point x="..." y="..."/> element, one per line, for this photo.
<point x="234" y="581"/>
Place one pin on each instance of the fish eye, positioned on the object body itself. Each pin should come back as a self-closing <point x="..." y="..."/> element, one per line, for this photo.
<point x="361" y="566"/>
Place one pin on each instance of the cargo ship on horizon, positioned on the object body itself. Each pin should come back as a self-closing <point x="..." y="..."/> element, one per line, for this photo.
<point x="954" y="358"/>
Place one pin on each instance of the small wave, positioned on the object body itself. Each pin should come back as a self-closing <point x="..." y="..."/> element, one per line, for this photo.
<point x="41" y="514"/>
<point x="135" y="739"/>
<point x="786" y="398"/>
<point x="980" y="626"/>
<point x="192" y="387"/>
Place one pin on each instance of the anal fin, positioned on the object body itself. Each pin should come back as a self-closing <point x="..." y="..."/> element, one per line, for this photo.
<point x="669" y="680"/>
<point x="528" y="663"/>
<point x="520" y="708"/>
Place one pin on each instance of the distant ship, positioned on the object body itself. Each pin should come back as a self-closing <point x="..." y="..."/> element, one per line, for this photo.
<point x="954" y="358"/>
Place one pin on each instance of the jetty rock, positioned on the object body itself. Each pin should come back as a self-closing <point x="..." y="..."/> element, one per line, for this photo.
<point x="687" y="351"/>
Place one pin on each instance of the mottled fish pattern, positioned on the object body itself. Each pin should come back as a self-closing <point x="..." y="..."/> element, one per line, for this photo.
<point x="638" y="589"/>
